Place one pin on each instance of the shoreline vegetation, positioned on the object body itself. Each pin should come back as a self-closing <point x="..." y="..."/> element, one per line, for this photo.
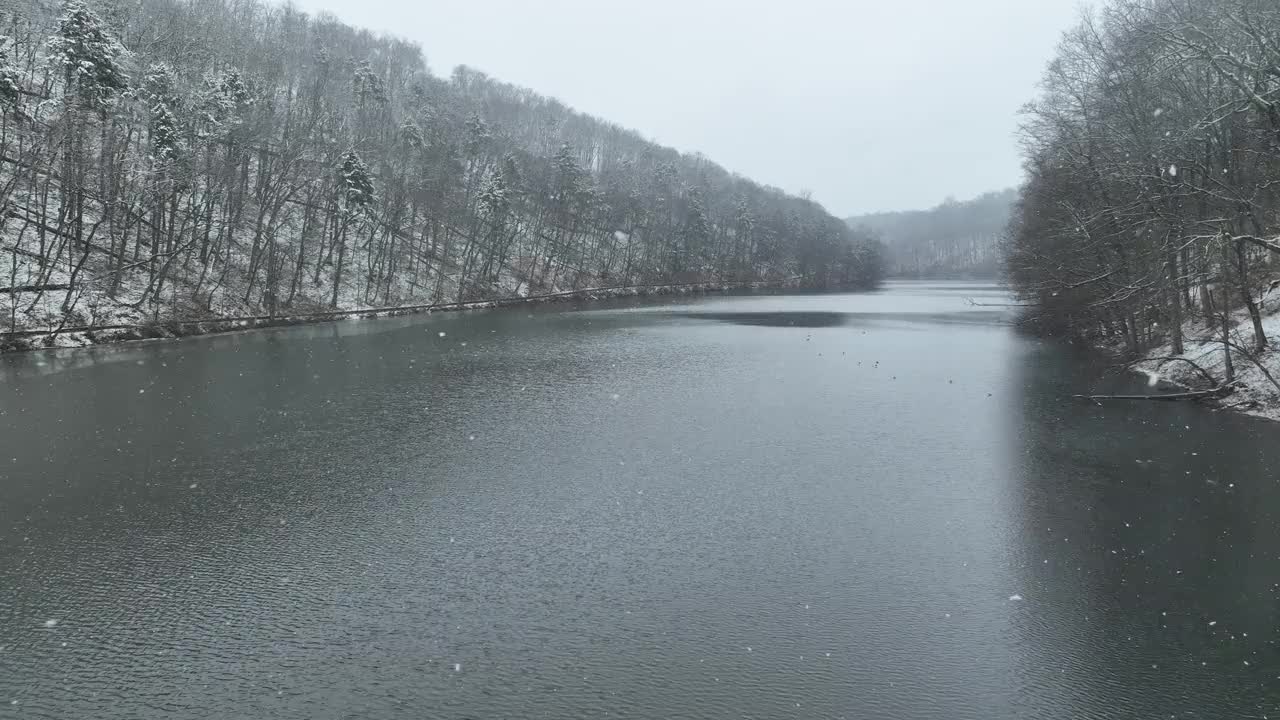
<point x="1149" y="223"/>
<point x="66" y="338"/>
<point x="1219" y="366"/>
<point x="173" y="167"/>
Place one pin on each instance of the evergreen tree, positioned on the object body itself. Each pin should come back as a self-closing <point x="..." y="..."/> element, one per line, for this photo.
<point x="91" y="61"/>
<point x="10" y="79"/>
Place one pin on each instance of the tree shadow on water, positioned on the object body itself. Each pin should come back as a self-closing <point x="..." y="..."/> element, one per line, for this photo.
<point x="773" y="319"/>
<point x="818" y="319"/>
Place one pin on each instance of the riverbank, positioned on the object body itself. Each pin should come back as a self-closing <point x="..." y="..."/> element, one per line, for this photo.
<point x="84" y="336"/>
<point x="1255" y="389"/>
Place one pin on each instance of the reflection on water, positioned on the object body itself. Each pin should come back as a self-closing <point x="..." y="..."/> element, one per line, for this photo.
<point x="1148" y="533"/>
<point x="686" y="510"/>
<point x="774" y="319"/>
<point x="809" y="319"/>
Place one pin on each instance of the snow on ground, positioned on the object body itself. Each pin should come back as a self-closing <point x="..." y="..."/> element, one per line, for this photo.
<point x="1255" y="393"/>
<point x="177" y="313"/>
<point x="93" y="304"/>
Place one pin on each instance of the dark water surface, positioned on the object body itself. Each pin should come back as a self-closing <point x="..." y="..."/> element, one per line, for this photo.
<point x="764" y="507"/>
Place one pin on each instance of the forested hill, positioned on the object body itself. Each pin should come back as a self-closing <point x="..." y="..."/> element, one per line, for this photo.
<point x="1151" y="199"/>
<point x="164" y="159"/>
<point x="954" y="239"/>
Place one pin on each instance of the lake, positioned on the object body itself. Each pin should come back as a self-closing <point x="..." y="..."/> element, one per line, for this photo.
<point x="881" y="505"/>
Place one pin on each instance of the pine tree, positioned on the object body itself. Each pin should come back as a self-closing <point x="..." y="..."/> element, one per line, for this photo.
<point x="91" y="60"/>
<point x="356" y="184"/>
<point x="411" y="133"/>
<point x="697" y="232"/>
<point x="477" y="134"/>
<point x="493" y="195"/>
<point x="367" y="86"/>
<point x="356" y="193"/>
<point x="162" y="98"/>
<point x="10" y="79"/>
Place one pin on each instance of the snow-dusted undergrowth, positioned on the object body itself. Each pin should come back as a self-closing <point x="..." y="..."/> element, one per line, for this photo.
<point x="1254" y="389"/>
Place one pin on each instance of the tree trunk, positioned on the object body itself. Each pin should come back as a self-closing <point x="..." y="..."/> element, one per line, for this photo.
<point x="1175" y="303"/>
<point x="1226" y="348"/>
<point x="1259" y="335"/>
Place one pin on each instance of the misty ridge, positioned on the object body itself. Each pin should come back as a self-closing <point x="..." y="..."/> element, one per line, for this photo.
<point x="168" y="161"/>
<point x="956" y="239"/>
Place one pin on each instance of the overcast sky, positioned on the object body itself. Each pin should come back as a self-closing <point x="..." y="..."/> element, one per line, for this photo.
<point x="869" y="104"/>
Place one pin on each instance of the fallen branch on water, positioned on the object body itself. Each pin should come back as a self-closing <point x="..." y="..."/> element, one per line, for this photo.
<point x="975" y="303"/>
<point x="1199" y="394"/>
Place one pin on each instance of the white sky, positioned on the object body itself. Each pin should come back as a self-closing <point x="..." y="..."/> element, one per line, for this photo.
<point x="870" y="104"/>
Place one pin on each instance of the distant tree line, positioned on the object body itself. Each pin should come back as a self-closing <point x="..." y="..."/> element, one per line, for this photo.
<point x="190" y="158"/>
<point x="953" y="240"/>
<point x="1153" y="162"/>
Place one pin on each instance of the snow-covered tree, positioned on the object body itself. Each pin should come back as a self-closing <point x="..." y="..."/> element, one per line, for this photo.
<point x="477" y="134"/>
<point x="493" y="195"/>
<point x="367" y="86"/>
<point x="356" y="184"/>
<point x="10" y="79"/>
<point x="411" y="132"/>
<point x="91" y="62"/>
<point x="696" y="233"/>
<point x="161" y="100"/>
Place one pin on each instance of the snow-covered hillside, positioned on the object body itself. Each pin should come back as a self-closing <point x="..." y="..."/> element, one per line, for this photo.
<point x="256" y="161"/>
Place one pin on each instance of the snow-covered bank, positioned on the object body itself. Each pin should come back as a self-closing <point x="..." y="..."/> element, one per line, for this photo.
<point x="1203" y="362"/>
<point x="72" y="337"/>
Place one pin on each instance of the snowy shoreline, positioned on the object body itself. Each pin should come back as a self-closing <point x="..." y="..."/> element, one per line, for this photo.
<point x="1254" y="388"/>
<point x="29" y="340"/>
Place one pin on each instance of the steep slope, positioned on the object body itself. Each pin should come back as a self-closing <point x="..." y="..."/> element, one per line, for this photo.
<point x="167" y="160"/>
